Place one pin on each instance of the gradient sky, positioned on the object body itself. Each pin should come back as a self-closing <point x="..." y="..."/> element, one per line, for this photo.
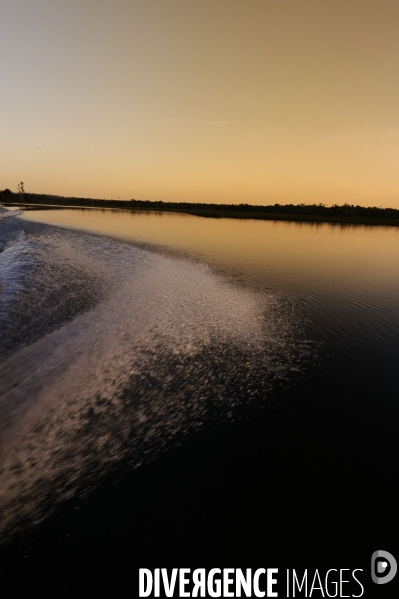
<point x="230" y="101"/>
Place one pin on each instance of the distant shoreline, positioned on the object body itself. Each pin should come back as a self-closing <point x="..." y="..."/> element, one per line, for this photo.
<point x="387" y="217"/>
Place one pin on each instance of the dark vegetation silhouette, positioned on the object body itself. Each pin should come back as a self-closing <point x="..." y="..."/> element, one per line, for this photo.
<point x="346" y="213"/>
<point x="21" y="190"/>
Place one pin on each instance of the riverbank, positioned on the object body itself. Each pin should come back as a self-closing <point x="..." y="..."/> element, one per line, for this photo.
<point x="343" y="220"/>
<point x="341" y="215"/>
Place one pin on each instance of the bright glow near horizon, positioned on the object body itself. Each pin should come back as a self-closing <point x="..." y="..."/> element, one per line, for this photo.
<point x="229" y="101"/>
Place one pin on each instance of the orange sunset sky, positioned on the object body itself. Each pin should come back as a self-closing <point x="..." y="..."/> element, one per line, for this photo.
<point x="229" y="101"/>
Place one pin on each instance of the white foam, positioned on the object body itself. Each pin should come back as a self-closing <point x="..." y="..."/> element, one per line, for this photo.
<point x="5" y="213"/>
<point x="121" y="379"/>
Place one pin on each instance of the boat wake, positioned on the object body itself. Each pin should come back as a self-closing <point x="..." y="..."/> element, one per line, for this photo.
<point x="4" y="212"/>
<point x="111" y="353"/>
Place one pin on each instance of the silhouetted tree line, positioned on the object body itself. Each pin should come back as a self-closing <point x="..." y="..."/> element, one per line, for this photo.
<point x="318" y="210"/>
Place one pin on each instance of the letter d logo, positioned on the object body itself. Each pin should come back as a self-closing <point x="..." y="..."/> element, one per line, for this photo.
<point x="383" y="567"/>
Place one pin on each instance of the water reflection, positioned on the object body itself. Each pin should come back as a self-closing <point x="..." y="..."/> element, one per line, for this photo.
<point x="345" y="276"/>
<point x="288" y="254"/>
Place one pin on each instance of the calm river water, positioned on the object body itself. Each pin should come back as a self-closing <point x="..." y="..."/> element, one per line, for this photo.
<point x="262" y="380"/>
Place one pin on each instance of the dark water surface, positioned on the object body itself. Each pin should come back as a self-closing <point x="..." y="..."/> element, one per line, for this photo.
<point x="212" y="393"/>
